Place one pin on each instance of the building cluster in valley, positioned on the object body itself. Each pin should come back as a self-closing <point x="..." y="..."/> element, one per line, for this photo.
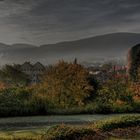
<point x="33" y="70"/>
<point x="101" y="72"/>
<point x="131" y="70"/>
<point x="104" y="73"/>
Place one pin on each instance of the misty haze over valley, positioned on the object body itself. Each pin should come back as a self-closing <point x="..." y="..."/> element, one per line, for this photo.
<point x="89" y="50"/>
<point x="103" y="30"/>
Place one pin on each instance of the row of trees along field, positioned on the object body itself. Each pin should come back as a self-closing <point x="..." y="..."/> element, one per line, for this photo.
<point x="65" y="88"/>
<point x="11" y="75"/>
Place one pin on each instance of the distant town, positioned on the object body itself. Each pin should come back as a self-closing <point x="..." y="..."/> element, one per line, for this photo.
<point x="101" y="72"/>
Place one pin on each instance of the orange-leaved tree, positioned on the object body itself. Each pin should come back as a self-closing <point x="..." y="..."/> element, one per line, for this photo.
<point x="66" y="84"/>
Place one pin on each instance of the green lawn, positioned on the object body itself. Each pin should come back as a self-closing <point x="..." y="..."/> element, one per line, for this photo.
<point x="33" y="133"/>
<point x="21" y="134"/>
<point x="20" y="123"/>
<point x="31" y="127"/>
<point x="35" y="125"/>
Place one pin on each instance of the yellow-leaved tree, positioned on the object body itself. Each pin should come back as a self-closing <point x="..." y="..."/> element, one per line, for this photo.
<point x="66" y="84"/>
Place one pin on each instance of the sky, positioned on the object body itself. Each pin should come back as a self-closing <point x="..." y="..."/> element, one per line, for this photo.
<point x="50" y="21"/>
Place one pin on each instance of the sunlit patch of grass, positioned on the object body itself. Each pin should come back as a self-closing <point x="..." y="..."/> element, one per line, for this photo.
<point x="23" y="134"/>
<point x="67" y="133"/>
<point x="117" y="122"/>
<point x="114" y="125"/>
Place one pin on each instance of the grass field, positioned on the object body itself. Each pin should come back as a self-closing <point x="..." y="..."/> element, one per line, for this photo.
<point x="33" y="133"/>
<point x="31" y="127"/>
<point x="29" y="133"/>
<point x="22" y="123"/>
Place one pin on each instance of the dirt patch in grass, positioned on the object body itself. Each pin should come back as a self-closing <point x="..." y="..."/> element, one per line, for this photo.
<point x="131" y="133"/>
<point x="116" y="134"/>
<point x="128" y="132"/>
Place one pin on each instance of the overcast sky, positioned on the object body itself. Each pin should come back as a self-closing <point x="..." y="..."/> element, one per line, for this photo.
<point x="49" y="21"/>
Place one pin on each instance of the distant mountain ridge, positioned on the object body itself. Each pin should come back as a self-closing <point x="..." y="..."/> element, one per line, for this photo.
<point x="91" y="49"/>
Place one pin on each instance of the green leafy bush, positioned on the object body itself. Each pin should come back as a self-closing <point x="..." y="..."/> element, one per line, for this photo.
<point x="127" y="108"/>
<point x="63" y="132"/>
<point x="136" y="107"/>
<point x="118" y="122"/>
<point x="19" y="102"/>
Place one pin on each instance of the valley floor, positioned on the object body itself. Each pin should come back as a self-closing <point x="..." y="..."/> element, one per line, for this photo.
<point x="35" y="126"/>
<point x="21" y="123"/>
<point x="117" y="134"/>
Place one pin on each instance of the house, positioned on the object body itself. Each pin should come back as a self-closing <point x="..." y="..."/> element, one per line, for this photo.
<point x="33" y="70"/>
<point x="103" y="74"/>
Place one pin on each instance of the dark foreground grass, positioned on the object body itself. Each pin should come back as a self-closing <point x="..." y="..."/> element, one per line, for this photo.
<point x="100" y="130"/>
<point x="63" y="132"/>
<point x="117" y="122"/>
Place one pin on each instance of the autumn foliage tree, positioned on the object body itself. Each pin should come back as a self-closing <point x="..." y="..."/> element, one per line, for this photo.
<point x="66" y="84"/>
<point x="135" y="87"/>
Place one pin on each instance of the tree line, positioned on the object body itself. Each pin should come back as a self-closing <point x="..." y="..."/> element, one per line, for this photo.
<point x="65" y="88"/>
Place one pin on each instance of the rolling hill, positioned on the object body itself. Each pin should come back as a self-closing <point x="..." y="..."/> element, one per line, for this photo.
<point x="99" y="48"/>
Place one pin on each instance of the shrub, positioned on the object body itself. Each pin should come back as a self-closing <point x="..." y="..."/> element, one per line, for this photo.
<point x="121" y="108"/>
<point x="118" y="122"/>
<point x="63" y="132"/>
<point x="136" y="107"/>
<point x="20" y="101"/>
<point x="66" y="85"/>
<point x="102" y="108"/>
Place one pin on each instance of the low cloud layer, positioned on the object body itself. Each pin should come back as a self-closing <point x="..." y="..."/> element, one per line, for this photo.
<point x="50" y="21"/>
